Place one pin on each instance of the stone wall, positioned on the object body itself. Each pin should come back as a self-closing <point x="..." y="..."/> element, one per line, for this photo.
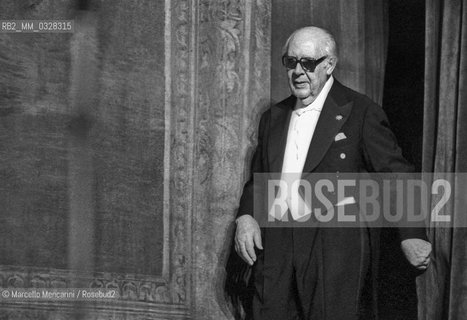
<point x="123" y="150"/>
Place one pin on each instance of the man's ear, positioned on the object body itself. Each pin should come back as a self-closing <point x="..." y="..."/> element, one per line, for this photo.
<point x="332" y="62"/>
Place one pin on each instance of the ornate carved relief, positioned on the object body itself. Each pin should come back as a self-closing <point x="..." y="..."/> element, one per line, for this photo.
<point x="228" y="90"/>
<point x="132" y="290"/>
<point x="219" y="89"/>
<point x="261" y="70"/>
<point x="182" y="107"/>
<point x="129" y="287"/>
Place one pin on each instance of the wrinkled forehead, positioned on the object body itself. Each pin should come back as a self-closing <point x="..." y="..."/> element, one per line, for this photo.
<point x="305" y="44"/>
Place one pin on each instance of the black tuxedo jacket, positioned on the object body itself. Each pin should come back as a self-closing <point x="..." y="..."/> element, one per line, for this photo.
<point x="369" y="146"/>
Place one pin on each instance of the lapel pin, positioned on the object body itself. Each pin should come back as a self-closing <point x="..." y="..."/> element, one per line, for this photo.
<point x="339" y="117"/>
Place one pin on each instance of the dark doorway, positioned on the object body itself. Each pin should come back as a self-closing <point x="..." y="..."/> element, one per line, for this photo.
<point x="404" y="78"/>
<point x="403" y="103"/>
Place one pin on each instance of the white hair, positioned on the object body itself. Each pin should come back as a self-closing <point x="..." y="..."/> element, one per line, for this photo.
<point x="324" y="38"/>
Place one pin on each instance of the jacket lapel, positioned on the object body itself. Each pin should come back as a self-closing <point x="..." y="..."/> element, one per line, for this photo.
<point x="279" y="127"/>
<point x="335" y="113"/>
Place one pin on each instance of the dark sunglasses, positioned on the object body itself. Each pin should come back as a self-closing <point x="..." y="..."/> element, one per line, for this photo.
<point x="307" y="64"/>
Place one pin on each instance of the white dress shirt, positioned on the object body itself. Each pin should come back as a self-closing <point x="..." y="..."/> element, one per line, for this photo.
<point x="301" y="128"/>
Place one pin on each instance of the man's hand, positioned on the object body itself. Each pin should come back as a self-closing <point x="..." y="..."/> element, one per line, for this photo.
<point x="417" y="251"/>
<point x="246" y="237"/>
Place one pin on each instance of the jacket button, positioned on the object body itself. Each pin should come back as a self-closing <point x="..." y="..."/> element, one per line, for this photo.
<point x="343" y="155"/>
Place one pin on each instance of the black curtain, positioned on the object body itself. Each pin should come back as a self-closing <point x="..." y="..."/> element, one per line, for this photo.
<point x="403" y="103"/>
<point x="443" y="289"/>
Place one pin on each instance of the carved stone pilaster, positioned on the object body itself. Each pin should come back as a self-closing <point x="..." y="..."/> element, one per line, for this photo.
<point x="181" y="108"/>
<point x="232" y="87"/>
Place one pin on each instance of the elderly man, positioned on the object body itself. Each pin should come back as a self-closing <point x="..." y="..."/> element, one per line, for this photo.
<point x="319" y="273"/>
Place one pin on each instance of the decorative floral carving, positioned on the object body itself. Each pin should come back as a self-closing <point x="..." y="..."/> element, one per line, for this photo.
<point x="128" y="286"/>
<point x="182" y="151"/>
<point x="38" y="282"/>
<point x="15" y="281"/>
<point x="129" y="290"/>
<point x="146" y="292"/>
<point x="162" y="294"/>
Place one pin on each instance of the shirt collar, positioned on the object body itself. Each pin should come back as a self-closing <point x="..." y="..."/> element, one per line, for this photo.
<point x="319" y="101"/>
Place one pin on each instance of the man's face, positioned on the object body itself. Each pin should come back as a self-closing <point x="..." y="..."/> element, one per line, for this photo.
<point x="306" y="85"/>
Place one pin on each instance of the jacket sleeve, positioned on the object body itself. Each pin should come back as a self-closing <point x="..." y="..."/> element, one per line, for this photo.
<point x="382" y="154"/>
